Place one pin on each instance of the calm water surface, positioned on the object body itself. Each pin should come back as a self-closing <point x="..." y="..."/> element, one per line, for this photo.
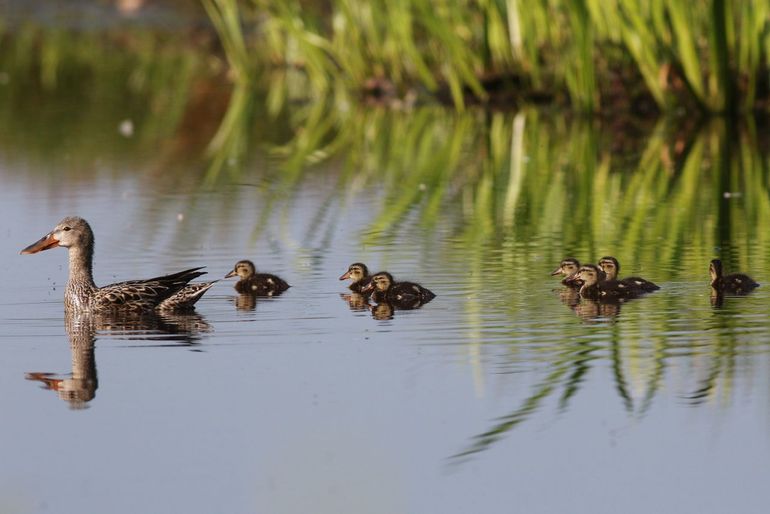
<point x="500" y="395"/>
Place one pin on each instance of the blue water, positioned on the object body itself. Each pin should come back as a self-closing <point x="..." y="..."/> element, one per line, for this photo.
<point x="304" y="405"/>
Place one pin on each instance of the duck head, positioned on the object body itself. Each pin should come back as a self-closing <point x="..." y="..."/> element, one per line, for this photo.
<point x="380" y="281"/>
<point x="589" y="274"/>
<point x="610" y="266"/>
<point x="715" y="270"/>
<point x="72" y="231"/>
<point x="356" y="271"/>
<point x="243" y="269"/>
<point x="567" y="267"/>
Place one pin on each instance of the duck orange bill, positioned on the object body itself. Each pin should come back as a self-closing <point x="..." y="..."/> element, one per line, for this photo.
<point x="346" y="275"/>
<point x="231" y="274"/>
<point x="45" y="243"/>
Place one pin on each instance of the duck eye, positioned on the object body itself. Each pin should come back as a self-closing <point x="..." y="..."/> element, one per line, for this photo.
<point x="67" y="229"/>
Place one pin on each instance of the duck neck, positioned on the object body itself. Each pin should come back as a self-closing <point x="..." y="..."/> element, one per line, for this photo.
<point x="589" y="290"/>
<point x="80" y="284"/>
<point x="716" y="277"/>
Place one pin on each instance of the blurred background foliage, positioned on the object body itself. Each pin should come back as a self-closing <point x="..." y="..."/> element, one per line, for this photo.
<point x="291" y="85"/>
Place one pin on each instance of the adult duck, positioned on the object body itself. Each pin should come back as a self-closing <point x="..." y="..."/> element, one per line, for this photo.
<point x="258" y="284"/>
<point x="168" y="292"/>
<point x="611" y="268"/>
<point x="734" y="283"/>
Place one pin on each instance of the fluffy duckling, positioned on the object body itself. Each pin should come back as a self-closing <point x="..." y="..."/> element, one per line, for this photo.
<point x="735" y="283"/>
<point x="569" y="268"/>
<point x="401" y="294"/>
<point x="251" y="282"/>
<point x="359" y="274"/>
<point x="597" y="289"/>
<point x="611" y="267"/>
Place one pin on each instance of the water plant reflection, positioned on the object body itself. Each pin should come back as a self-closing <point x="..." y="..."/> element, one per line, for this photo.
<point x="83" y="330"/>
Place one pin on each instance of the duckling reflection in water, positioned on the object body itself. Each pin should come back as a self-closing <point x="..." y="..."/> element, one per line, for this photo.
<point x="733" y="284"/>
<point x="246" y="302"/>
<point x="359" y="274"/>
<point x="251" y="282"/>
<point x="402" y="295"/>
<point x="596" y="311"/>
<point x="356" y="301"/>
<point x="382" y="311"/>
<point x="569" y="268"/>
<point x="611" y="268"/>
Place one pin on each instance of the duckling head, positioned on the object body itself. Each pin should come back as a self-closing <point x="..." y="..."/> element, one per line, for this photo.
<point x="610" y="266"/>
<point x="567" y="267"/>
<point x="715" y="269"/>
<point x="589" y="274"/>
<point x="71" y="232"/>
<point x="380" y="281"/>
<point x="356" y="271"/>
<point x="243" y="269"/>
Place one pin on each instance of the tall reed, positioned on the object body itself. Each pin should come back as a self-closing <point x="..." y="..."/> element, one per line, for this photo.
<point x="707" y="54"/>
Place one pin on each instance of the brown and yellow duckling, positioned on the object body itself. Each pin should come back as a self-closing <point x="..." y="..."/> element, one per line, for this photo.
<point x="569" y="268"/>
<point x="735" y="283"/>
<point x="595" y="288"/>
<point x="401" y="294"/>
<point x="611" y="267"/>
<point x="359" y="274"/>
<point x="251" y="282"/>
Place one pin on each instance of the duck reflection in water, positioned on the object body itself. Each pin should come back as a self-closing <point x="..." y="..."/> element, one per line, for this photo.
<point x="597" y="311"/>
<point x="356" y="301"/>
<point x="381" y="310"/>
<point x="82" y="329"/>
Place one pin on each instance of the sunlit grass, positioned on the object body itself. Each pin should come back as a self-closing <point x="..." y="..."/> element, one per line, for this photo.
<point x="707" y="54"/>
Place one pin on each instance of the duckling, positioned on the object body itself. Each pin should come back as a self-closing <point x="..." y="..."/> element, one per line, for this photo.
<point x="597" y="289"/>
<point x="262" y="284"/>
<point x="401" y="294"/>
<point x="611" y="267"/>
<point x="569" y="268"/>
<point x="735" y="283"/>
<point x="359" y="274"/>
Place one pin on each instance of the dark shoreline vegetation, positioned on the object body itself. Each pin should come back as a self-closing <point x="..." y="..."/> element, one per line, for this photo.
<point x="635" y="57"/>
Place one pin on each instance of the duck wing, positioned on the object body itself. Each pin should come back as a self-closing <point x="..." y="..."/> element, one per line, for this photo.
<point x="738" y="283"/>
<point x="409" y="292"/>
<point x="186" y="297"/>
<point x="143" y="294"/>
<point x="641" y="284"/>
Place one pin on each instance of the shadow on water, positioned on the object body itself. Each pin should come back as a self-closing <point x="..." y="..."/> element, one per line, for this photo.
<point x="84" y="329"/>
